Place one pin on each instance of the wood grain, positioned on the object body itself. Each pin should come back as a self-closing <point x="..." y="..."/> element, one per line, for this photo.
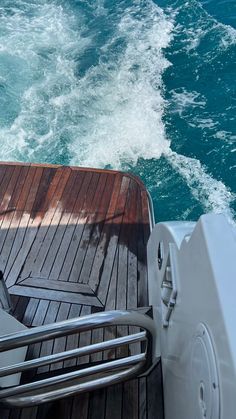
<point x="72" y="242"/>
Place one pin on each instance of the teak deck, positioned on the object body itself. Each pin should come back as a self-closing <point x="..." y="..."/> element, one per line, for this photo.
<point x="72" y="242"/>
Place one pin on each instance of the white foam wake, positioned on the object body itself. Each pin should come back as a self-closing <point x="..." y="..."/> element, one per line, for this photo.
<point x="213" y="195"/>
<point x="109" y="115"/>
<point x="39" y="43"/>
<point x="125" y="107"/>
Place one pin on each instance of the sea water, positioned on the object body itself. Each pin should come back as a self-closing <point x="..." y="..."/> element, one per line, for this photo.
<point x="143" y="86"/>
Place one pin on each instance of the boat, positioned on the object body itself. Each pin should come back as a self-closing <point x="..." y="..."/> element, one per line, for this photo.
<point x="103" y="312"/>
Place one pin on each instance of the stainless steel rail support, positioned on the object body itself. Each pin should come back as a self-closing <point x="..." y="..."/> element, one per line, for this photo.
<point x="97" y="376"/>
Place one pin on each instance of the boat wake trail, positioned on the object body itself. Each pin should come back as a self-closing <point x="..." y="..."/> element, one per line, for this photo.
<point x="213" y="194"/>
<point x="39" y="45"/>
<point x="83" y="84"/>
<point x="82" y="100"/>
<point x="124" y="93"/>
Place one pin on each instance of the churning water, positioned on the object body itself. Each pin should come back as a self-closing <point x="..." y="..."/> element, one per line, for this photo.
<point x="139" y="85"/>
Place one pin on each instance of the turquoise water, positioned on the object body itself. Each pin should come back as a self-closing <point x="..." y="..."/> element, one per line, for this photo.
<point x="140" y="85"/>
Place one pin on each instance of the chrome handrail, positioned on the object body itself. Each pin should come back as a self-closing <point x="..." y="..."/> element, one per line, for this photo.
<point x="151" y="211"/>
<point x="69" y="383"/>
<point x="73" y="353"/>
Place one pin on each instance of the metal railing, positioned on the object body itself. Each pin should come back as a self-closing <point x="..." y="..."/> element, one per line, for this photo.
<point x="79" y="380"/>
<point x="151" y="211"/>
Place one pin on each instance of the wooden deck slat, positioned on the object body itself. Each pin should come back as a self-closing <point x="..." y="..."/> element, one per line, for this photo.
<point x="98" y="222"/>
<point x="80" y="407"/>
<point x="142" y="257"/>
<point x="67" y="242"/>
<point x="132" y="265"/>
<point x="11" y="220"/>
<point x="102" y="267"/>
<point x="26" y="189"/>
<point x="97" y="405"/>
<point x="40" y="313"/>
<point x="68" y="254"/>
<point x="60" y="343"/>
<point x="130" y="399"/>
<point x="47" y="177"/>
<point x="36" y="320"/>
<point x="28" y="229"/>
<point x="3" y="169"/>
<point x="72" y="340"/>
<point x="73" y="242"/>
<point x="143" y="398"/>
<point x="33" y="190"/>
<point x="20" y="308"/>
<point x="5" y="182"/>
<point x="49" y="284"/>
<point x="10" y="224"/>
<point x="86" y="243"/>
<point x="71" y="250"/>
<point x="110" y="332"/>
<point x="19" y="186"/>
<point x="30" y="311"/>
<point x="5" y="217"/>
<point x="47" y="346"/>
<point x="55" y="188"/>
<point x="114" y="402"/>
<point x="55" y="221"/>
<point x="29" y="234"/>
<point x="154" y="394"/>
<point x="56" y="295"/>
<point x="85" y="337"/>
<point x="126" y="247"/>
<point x="10" y="189"/>
<point x="29" y="413"/>
<point x="55" y="195"/>
<point x="66" y="251"/>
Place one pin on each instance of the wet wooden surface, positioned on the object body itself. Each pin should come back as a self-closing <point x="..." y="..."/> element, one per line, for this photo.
<point x="73" y="242"/>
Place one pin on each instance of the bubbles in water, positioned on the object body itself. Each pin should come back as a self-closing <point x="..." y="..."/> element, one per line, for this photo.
<point x="39" y="45"/>
<point x="109" y="115"/>
<point x="182" y="100"/>
<point x="123" y="116"/>
<point x="213" y="194"/>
